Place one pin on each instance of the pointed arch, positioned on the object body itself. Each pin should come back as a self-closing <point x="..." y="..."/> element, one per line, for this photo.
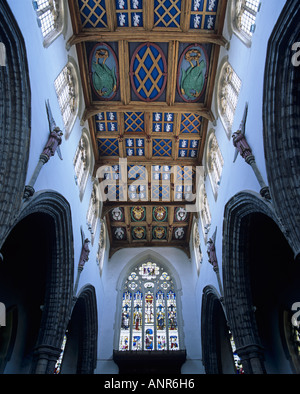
<point x="80" y="353"/>
<point x="157" y="335"/>
<point x="237" y="295"/>
<point x="60" y="277"/>
<point x="215" y="335"/>
<point x="15" y="124"/>
<point x="281" y="122"/>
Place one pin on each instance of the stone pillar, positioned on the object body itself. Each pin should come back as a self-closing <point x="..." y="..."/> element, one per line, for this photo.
<point x="46" y="357"/>
<point x="252" y="359"/>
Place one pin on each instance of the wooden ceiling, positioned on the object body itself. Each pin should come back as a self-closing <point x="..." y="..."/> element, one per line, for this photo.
<point x="148" y="69"/>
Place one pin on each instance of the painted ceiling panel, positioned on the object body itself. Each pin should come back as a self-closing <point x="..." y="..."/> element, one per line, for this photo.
<point x="148" y="70"/>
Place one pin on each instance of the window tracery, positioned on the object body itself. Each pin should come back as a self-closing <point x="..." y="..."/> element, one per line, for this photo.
<point x="149" y="310"/>
<point x="229" y="89"/>
<point x="243" y="19"/>
<point x="215" y="163"/>
<point x="93" y="214"/>
<point x="83" y="162"/>
<point x="205" y="214"/>
<point x="197" y="247"/>
<point x="50" y="18"/>
<point x="65" y="87"/>
<point x="101" y="247"/>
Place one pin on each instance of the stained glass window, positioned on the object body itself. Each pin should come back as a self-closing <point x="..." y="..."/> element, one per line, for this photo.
<point x="149" y="315"/>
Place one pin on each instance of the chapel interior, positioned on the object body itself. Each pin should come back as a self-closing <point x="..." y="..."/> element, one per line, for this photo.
<point x="149" y="187"/>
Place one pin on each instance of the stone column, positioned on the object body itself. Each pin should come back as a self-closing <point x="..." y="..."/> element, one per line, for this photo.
<point x="252" y="358"/>
<point x="46" y="357"/>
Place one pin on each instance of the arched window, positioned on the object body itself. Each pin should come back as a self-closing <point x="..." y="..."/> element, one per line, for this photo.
<point x="229" y="87"/>
<point x="93" y="213"/>
<point x="205" y="214"/>
<point x="197" y="247"/>
<point x="243" y="16"/>
<point x="66" y="87"/>
<point x="214" y="162"/>
<point x="149" y="310"/>
<point x="50" y="18"/>
<point x="83" y="162"/>
<point x="101" y="246"/>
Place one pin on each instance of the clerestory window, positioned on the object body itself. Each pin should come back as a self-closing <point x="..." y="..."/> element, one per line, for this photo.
<point x="83" y="162"/>
<point x="205" y="214"/>
<point x="229" y="86"/>
<point x="244" y="14"/>
<point x="66" y="87"/>
<point x="214" y="163"/>
<point x="50" y="18"/>
<point x="93" y="213"/>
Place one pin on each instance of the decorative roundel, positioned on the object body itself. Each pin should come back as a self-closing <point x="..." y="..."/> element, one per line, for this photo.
<point x="181" y="214"/>
<point x="138" y="214"/>
<point x="104" y="71"/>
<point x="192" y="73"/>
<point x="148" y="72"/>
<point x="160" y="214"/>
<point x="139" y="233"/>
<point x="179" y="233"/>
<point x="119" y="233"/>
<point x="117" y="214"/>
<point x="159" y="232"/>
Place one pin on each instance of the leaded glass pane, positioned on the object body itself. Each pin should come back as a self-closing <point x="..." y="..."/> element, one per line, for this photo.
<point x="125" y="324"/>
<point x="172" y="321"/>
<point x="149" y="310"/>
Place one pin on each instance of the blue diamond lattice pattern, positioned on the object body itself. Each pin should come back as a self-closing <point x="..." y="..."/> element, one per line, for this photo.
<point x="162" y="147"/>
<point x="92" y="13"/>
<point x="108" y="146"/>
<point x="167" y="13"/>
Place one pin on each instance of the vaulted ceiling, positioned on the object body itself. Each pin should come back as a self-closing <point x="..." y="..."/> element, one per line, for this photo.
<point x="148" y="70"/>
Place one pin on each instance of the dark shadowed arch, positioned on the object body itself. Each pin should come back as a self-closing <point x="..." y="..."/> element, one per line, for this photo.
<point x="260" y="281"/>
<point x="238" y="303"/>
<point x="215" y="337"/>
<point x="80" y="356"/>
<point x="59" y="281"/>
<point x="15" y="119"/>
<point x="281" y="121"/>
